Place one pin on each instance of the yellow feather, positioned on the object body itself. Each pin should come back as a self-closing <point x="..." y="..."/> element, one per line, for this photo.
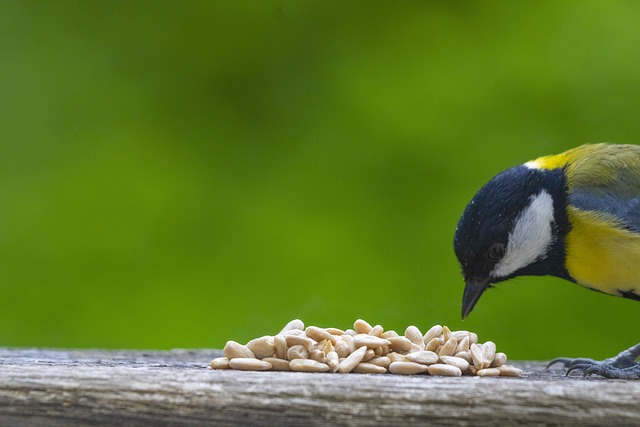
<point x="601" y="254"/>
<point x="596" y="164"/>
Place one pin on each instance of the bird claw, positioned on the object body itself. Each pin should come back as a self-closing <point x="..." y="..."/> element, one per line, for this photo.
<point x="580" y="366"/>
<point x="607" y="370"/>
<point x="622" y="366"/>
<point x="612" y="372"/>
<point x="568" y="362"/>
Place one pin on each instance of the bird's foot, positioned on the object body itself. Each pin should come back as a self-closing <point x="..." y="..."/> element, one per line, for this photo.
<point x="568" y="362"/>
<point x="608" y="371"/>
<point x="622" y="366"/>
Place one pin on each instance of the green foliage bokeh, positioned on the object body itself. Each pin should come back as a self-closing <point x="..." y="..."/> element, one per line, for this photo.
<point x="177" y="174"/>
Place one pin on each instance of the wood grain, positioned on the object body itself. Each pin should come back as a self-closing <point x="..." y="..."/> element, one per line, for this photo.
<point x="96" y="387"/>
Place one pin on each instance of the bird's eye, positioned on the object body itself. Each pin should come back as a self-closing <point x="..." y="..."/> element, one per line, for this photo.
<point x="495" y="252"/>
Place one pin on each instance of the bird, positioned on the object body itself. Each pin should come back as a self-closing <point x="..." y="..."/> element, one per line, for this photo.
<point x="573" y="215"/>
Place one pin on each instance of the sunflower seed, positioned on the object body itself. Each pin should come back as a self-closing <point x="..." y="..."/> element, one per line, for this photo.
<point x="458" y="362"/>
<point x="446" y="333"/>
<point x="381" y="351"/>
<point x="396" y="357"/>
<point x="280" y="346"/>
<point x="352" y="360"/>
<point x="389" y="334"/>
<point x="441" y="369"/>
<point x="449" y="347"/>
<point x="304" y="341"/>
<point x="376" y="331"/>
<point x="416" y="347"/>
<point x="333" y="360"/>
<point x="370" y="354"/>
<point x="220" y="363"/>
<point x="473" y="338"/>
<point x="488" y="372"/>
<point x="369" y="341"/>
<point x="327" y="346"/>
<point x="383" y="361"/>
<point x="477" y="356"/>
<point x="319" y="334"/>
<point x="297" y="352"/>
<point x="463" y="345"/>
<point x="362" y="327"/>
<point x="464" y="355"/>
<point x="509" y="371"/>
<point x="414" y="335"/>
<point x="424" y="357"/>
<point x="367" y="349"/>
<point x="249" y="364"/>
<point x="317" y="355"/>
<point x="369" y="368"/>
<point x="499" y="360"/>
<point x="295" y="324"/>
<point x="434" y="344"/>
<point x="460" y="335"/>
<point x="407" y="368"/>
<point x="342" y="348"/>
<point x="233" y="350"/>
<point x="306" y="365"/>
<point x="278" y="364"/>
<point x="488" y="353"/>
<point x="350" y="345"/>
<point x="432" y="333"/>
<point x="262" y="347"/>
<point x="400" y="344"/>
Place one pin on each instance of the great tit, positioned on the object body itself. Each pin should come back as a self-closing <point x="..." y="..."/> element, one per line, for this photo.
<point x="574" y="215"/>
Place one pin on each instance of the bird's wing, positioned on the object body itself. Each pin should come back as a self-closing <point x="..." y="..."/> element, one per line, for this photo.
<point x="607" y="180"/>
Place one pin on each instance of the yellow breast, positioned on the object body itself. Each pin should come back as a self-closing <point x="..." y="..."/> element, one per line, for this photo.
<point x="601" y="254"/>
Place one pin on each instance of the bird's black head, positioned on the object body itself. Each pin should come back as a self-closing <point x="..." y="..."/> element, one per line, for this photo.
<point x="514" y="226"/>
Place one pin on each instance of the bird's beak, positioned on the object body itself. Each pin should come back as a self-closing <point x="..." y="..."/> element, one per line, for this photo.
<point x="472" y="292"/>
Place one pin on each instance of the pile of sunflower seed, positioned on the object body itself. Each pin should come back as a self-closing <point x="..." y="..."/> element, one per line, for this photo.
<point x="367" y="349"/>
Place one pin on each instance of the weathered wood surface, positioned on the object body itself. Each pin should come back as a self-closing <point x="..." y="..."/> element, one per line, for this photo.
<point x="70" y="388"/>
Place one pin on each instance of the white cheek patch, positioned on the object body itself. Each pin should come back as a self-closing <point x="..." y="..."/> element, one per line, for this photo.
<point x="532" y="165"/>
<point x="530" y="238"/>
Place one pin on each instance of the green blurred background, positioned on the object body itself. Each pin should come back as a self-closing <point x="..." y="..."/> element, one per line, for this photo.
<point x="181" y="173"/>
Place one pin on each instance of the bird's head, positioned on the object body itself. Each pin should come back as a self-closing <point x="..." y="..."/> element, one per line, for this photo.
<point x="513" y="226"/>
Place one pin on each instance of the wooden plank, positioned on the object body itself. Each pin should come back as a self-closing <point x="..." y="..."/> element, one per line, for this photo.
<point x="95" y="387"/>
